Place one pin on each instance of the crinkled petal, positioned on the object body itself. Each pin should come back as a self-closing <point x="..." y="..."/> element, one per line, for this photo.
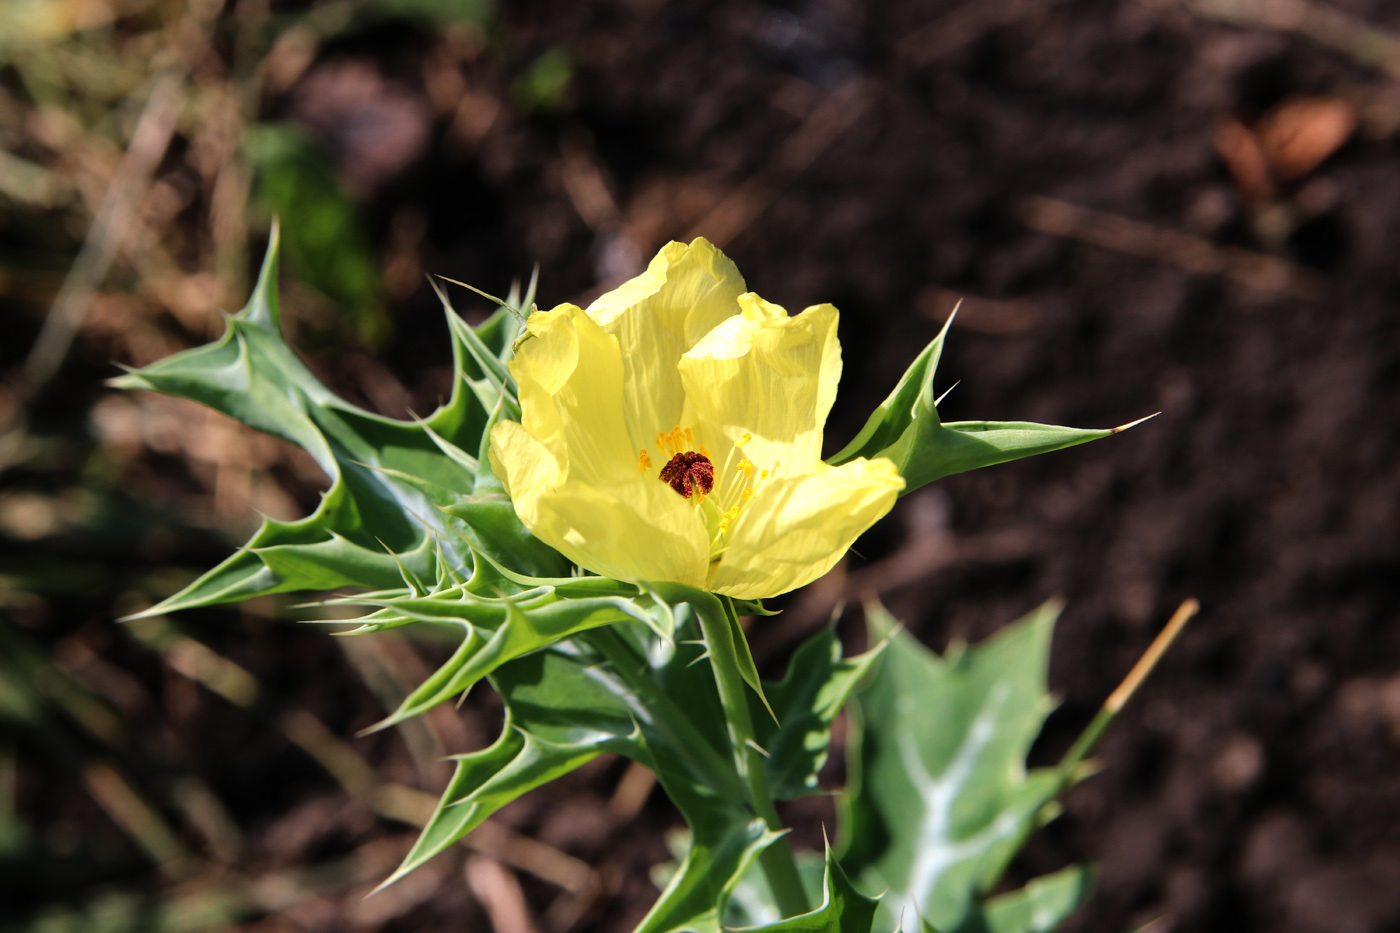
<point x="635" y="529"/>
<point x="797" y="527"/>
<point x="524" y="465"/>
<point x="630" y="529"/>
<point x="769" y="375"/>
<point x="656" y="317"/>
<point x="569" y="375"/>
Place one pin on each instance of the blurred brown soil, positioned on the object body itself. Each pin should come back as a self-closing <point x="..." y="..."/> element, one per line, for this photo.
<point x="1146" y="209"/>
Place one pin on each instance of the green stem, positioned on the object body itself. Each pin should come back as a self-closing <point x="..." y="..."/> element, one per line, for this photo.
<point x="685" y="738"/>
<point x="777" y="860"/>
<point x="1069" y="765"/>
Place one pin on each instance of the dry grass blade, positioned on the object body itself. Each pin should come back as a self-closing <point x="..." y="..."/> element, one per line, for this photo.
<point x="137" y="817"/>
<point x="1360" y="41"/>
<point x="115" y="218"/>
<point x="962" y="27"/>
<point x="501" y="895"/>
<point x="1120" y="697"/>
<point x="1192" y="253"/>
<point x="632" y="792"/>
<point x="538" y="858"/>
<point x="823" y="126"/>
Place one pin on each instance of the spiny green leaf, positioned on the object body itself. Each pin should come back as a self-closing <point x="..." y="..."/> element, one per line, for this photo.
<point x="490" y="366"/>
<point x="743" y="655"/>
<point x="571" y="701"/>
<point x="843" y="909"/>
<point x="929" y="451"/>
<point x="325" y="565"/>
<point x="752" y="902"/>
<point x="677" y="707"/>
<point x="721" y="851"/>
<point x="892" y="417"/>
<point x="495" y="632"/>
<point x="1039" y="907"/>
<point x="939" y="797"/>
<point x="561" y="711"/>
<point x="735" y="648"/>
<point x="806" y="702"/>
<point x="390" y="480"/>
<point x="489" y="524"/>
<point x="486" y="781"/>
<point x="906" y="429"/>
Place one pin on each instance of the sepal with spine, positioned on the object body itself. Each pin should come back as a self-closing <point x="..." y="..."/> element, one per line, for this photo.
<point x="906" y="429"/>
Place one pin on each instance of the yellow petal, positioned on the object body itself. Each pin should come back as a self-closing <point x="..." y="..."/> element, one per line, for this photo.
<point x="656" y="317"/>
<point x="570" y="470"/>
<point x="569" y="376"/>
<point x="769" y="375"/>
<point x="524" y="465"/>
<point x="635" y="529"/>
<point x="797" y="527"/>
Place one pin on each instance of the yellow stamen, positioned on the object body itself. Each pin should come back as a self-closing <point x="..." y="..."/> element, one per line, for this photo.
<point x="746" y="495"/>
<point x="745" y="467"/>
<point x="705" y="451"/>
<point x="743" y="440"/>
<point x="643" y="460"/>
<point x="763" y="475"/>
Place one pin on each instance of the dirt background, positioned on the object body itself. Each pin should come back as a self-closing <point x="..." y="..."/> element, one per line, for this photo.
<point x="1141" y="216"/>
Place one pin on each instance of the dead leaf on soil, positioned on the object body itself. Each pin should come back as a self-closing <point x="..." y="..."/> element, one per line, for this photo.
<point x="1287" y="144"/>
<point x="1240" y="150"/>
<point x="1298" y="135"/>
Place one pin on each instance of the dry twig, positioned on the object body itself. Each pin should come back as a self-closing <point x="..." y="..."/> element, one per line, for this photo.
<point x="1192" y="253"/>
<point x="1325" y="25"/>
<point x="108" y="232"/>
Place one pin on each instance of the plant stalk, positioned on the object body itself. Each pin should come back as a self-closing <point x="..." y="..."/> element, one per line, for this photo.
<point x="688" y="741"/>
<point x="1119" y="698"/>
<point x="777" y="862"/>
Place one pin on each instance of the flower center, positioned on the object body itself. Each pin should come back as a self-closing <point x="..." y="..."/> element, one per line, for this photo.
<point x="718" y="493"/>
<point x="688" y="471"/>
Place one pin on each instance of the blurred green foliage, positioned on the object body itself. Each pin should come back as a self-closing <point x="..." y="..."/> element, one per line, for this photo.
<point x="438" y="12"/>
<point x="325" y="238"/>
<point x="542" y="85"/>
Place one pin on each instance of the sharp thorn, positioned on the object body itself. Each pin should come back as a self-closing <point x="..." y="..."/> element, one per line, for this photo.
<point x="1132" y="424"/>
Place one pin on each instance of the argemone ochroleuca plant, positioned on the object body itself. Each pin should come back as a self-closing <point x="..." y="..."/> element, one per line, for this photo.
<point x="604" y="495"/>
<point x="673" y="431"/>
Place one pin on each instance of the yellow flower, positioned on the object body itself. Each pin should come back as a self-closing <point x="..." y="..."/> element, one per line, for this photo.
<point x="673" y="431"/>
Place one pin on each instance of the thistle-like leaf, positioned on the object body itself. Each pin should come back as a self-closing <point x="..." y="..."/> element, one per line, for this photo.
<point x="485" y="781"/>
<point x="391" y="481"/>
<point x="806" y="702"/>
<point x="939" y="797"/>
<point x="843" y="908"/>
<point x="606" y="690"/>
<point x="1039" y="907"/>
<point x="496" y="632"/>
<point x="906" y="428"/>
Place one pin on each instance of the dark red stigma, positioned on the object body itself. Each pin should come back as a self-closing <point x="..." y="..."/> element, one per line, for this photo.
<point x="688" y="471"/>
